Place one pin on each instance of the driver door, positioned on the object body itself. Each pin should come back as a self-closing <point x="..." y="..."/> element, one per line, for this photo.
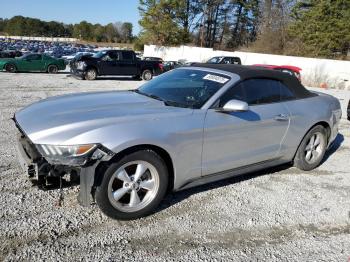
<point x="31" y="62"/>
<point x="238" y="139"/>
<point x="109" y="64"/>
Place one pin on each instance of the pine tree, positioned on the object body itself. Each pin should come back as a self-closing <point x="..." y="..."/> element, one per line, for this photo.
<point x="322" y="27"/>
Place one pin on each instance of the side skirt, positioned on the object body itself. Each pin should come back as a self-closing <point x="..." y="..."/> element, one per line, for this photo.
<point x="231" y="173"/>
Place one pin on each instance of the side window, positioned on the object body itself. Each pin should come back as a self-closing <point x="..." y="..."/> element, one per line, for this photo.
<point x="258" y="91"/>
<point x="111" y="56"/>
<point x="114" y="56"/>
<point x="237" y="92"/>
<point x="286" y="94"/>
<point x="236" y="61"/>
<point x="128" y="56"/>
<point x="227" y="60"/>
<point x="34" y="57"/>
<point x="263" y="91"/>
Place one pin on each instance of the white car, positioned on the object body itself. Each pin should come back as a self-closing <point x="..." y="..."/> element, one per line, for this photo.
<point x="70" y="57"/>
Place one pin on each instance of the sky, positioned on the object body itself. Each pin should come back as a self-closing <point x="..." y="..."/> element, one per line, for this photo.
<point x="74" y="11"/>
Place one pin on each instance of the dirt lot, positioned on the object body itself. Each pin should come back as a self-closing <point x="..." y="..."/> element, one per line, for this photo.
<point x="280" y="214"/>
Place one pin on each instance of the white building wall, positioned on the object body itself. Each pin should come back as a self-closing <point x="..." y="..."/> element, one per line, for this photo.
<point x="335" y="73"/>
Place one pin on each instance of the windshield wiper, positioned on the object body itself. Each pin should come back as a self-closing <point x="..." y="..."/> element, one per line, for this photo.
<point x="177" y="104"/>
<point x="166" y="102"/>
<point x="148" y="95"/>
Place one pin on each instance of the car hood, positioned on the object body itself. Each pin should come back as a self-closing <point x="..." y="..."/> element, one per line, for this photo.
<point x="58" y="120"/>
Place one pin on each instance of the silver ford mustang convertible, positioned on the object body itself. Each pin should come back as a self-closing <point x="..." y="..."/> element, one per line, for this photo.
<point x="190" y="126"/>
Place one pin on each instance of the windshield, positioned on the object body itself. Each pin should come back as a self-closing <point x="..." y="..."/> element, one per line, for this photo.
<point x="215" y="60"/>
<point x="184" y="87"/>
<point x="99" y="54"/>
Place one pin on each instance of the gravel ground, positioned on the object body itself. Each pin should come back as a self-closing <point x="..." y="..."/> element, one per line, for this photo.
<point x="278" y="214"/>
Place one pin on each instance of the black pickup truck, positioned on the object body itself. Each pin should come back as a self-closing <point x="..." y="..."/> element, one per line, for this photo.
<point x="117" y="63"/>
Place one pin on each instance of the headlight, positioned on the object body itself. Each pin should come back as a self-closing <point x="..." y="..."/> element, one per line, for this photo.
<point x="66" y="155"/>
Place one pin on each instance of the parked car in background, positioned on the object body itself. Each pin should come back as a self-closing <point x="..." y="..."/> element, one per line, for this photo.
<point x="292" y="70"/>
<point x="32" y="62"/>
<point x="55" y="49"/>
<point x="187" y="127"/>
<point x="150" y="58"/>
<point x="117" y="63"/>
<point x="77" y="55"/>
<point x="10" y="54"/>
<point x="185" y="62"/>
<point x="169" y="65"/>
<point x="72" y="62"/>
<point x="233" y="60"/>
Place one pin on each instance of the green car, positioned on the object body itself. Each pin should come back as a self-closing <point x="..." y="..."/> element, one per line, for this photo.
<point x="32" y="62"/>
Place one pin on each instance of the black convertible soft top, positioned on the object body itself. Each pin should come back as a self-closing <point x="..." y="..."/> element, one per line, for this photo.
<point x="251" y="72"/>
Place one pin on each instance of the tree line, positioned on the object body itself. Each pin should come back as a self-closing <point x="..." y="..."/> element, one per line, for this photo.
<point x="318" y="28"/>
<point x="119" y="32"/>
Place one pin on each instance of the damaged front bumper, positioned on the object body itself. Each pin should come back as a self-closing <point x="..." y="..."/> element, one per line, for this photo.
<point x="49" y="175"/>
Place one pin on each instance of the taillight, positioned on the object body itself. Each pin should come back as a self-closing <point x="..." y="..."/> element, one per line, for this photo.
<point x="161" y="67"/>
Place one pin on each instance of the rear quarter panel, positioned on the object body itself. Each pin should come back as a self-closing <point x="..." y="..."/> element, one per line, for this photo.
<point x="151" y="65"/>
<point x="304" y="114"/>
<point x="61" y="64"/>
<point x="52" y="61"/>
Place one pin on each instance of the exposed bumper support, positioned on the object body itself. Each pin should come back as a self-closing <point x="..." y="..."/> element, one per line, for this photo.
<point x="87" y="176"/>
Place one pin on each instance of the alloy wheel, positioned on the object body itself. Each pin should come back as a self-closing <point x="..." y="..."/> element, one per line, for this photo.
<point x="133" y="186"/>
<point x="314" y="148"/>
<point x="148" y="76"/>
<point x="53" y="69"/>
<point x="10" y="68"/>
<point x="91" y="74"/>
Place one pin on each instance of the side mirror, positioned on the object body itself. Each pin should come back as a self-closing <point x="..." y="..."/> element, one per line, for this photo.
<point x="234" y="106"/>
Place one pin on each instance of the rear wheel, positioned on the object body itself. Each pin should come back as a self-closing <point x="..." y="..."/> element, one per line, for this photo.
<point x="147" y="75"/>
<point x="312" y="149"/>
<point x="133" y="187"/>
<point x="91" y="74"/>
<point x="11" y="68"/>
<point x="52" y="69"/>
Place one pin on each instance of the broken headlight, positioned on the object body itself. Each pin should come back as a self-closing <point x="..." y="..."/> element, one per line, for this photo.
<point x="74" y="155"/>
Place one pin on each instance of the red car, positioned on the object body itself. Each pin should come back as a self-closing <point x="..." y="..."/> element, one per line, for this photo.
<point x="292" y="70"/>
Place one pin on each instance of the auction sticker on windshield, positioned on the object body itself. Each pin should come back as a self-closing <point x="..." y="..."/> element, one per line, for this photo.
<point x="215" y="78"/>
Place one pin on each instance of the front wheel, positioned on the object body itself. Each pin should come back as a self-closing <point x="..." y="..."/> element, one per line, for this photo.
<point x="147" y="75"/>
<point x="312" y="149"/>
<point x="133" y="187"/>
<point x="52" y="69"/>
<point x="11" y="68"/>
<point x="91" y="74"/>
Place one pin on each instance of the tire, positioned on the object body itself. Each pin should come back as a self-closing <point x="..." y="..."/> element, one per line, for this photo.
<point x="123" y="197"/>
<point x="10" y="68"/>
<point x="147" y="75"/>
<point x="52" y="69"/>
<point x="91" y="74"/>
<point x="312" y="149"/>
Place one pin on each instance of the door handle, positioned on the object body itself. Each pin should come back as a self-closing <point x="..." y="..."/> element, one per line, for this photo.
<point x="281" y="117"/>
